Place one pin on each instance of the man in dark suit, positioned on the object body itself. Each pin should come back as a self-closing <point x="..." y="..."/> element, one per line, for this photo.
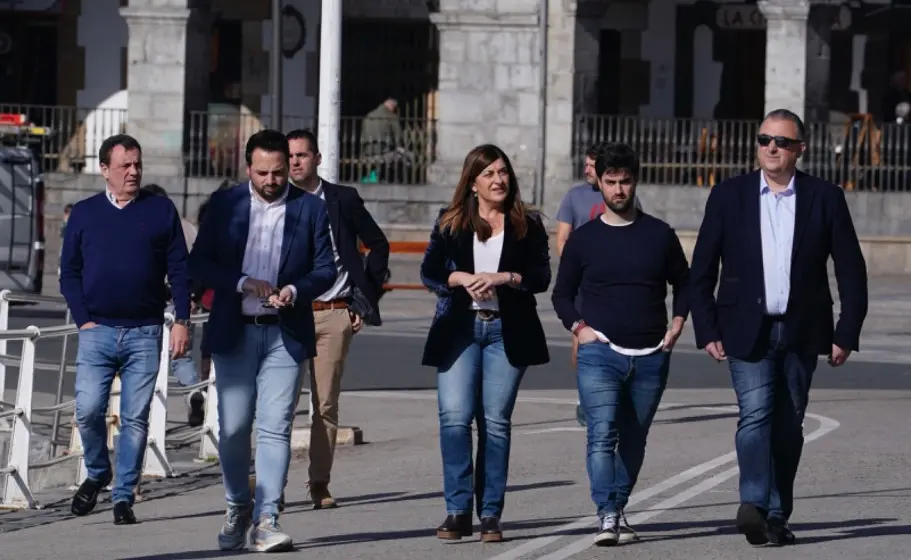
<point x="264" y="248"/>
<point x="774" y="230"/>
<point x="341" y="311"/>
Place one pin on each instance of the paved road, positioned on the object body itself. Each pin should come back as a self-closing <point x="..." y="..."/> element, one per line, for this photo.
<point x="852" y="497"/>
<point x="852" y="488"/>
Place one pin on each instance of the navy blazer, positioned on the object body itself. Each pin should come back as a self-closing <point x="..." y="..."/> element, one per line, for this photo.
<point x="307" y="262"/>
<point x="350" y="222"/>
<point x="523" y="335"/>
<point x="730" y="234"/>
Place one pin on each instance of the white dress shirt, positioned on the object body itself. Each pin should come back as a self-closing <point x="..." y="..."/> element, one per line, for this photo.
<point x="264" y="246"/>
<point x="342" y="288"/>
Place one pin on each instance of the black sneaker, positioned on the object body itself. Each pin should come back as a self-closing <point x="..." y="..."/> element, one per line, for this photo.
<point x="197" y="404"/>
<point x="86" y="497"/>
<point x="779" y="533"/>
<point x="608" y="530"/>
<point x="625" y="532"/>
<point x="752" y="524"/>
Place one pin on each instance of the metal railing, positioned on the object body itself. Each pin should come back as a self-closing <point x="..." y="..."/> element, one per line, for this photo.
<point x="17" y="466"/>
<point x="215" y="141"/>
<point x="71" y="136"/>
<point x="856" y="153"/>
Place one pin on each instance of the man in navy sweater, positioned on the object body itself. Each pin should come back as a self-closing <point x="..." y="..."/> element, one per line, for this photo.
<point x="620" y="264"/>
<point x="119" y="246"/>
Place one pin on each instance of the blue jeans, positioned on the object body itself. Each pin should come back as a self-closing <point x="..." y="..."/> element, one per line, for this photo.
<point x="620" y="396"/>
<point x="103" y="352"/>
<point x="258" y="379"/>
<point x="772" y="394"/>
<point x="477" y="384"/>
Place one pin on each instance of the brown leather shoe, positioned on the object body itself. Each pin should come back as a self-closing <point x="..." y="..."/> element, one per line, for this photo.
<point x="319" y="493"/>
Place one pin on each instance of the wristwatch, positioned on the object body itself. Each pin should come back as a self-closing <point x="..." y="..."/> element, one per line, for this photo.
<point x="184" y="322"/>
<point x="577" y="326"/>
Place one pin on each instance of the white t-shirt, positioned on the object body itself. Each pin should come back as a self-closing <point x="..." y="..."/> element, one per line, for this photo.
<point x="487" y="259"/>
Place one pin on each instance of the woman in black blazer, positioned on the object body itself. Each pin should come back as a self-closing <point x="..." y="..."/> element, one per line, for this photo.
<point x="488" y="256"/>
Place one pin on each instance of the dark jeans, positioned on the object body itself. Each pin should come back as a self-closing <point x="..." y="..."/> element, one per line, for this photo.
<point x="772" y="393"/>
<point x="477" y="384"/>
<point x="620" y="396"/>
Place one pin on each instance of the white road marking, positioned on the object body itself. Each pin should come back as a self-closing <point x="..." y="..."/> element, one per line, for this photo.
<point x="826" y="426"/>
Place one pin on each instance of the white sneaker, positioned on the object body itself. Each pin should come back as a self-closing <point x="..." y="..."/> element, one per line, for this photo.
<point x="626" y="533"/>
<point x="608" y="530"/>
<point x="267" y="536"/>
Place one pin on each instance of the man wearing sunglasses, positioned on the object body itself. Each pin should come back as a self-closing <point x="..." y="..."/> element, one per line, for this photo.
<point x="774" y="230"/>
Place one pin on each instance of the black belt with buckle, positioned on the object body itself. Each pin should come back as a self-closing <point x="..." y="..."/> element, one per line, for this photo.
<point x="261" y="320"/>
<point x="487" y="314"/>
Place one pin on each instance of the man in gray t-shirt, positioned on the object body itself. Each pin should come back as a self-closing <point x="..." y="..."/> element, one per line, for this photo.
<point x="582" y="204"/>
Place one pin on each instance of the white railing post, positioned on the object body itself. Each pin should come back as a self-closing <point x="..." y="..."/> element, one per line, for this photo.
<point x="4" y="325"/>
<point x="76" y="449"/>
<point x="156" y="462"/>
<point x="17" y="492"/>
<point x="208" y="446"/>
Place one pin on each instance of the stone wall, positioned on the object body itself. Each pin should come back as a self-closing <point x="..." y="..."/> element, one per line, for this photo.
<point x="489" y="87"/>
<point x="883" y="221"/>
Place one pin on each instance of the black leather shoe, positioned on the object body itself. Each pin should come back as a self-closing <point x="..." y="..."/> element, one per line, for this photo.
<point x="455" y="527"/>
<point x="123" y="514"/>
<point x="86" y="497"/>
<point x="491" y="530"/>
<point x="751" y="523"/>
<point x="779" y="533"/>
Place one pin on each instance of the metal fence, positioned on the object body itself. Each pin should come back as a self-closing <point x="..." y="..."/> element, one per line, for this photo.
<point x="214" y="146"/>
<point x="857" y="154"/>
<point x="18" y="466"/>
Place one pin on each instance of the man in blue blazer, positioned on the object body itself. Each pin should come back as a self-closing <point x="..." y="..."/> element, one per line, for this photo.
<point x="774" y="231"/>
<point x="264" y="248"/>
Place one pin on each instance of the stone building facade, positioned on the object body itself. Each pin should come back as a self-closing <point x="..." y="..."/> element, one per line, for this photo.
<point x="627" y="57"/>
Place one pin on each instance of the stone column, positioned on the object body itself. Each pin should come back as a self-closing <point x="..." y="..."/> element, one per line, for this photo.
<point x="786" y="54"/>
<point x="489" y="88"/>
<point x="157" y="80"/>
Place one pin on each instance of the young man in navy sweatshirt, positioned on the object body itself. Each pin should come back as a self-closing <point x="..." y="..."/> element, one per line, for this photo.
<point x="119" y="246"/>
<point x="620" y="264"/>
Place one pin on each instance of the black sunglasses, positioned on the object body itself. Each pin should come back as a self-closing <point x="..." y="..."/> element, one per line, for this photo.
<point x="782" y="142"/>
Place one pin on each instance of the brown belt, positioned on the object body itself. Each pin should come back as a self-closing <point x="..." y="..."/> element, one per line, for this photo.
<point x="327" y="305"/>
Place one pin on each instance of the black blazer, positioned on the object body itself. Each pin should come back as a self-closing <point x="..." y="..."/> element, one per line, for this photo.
<point x="731" y="234"/>
<point x="523" y="335"/>
<point x="351" y="221"/>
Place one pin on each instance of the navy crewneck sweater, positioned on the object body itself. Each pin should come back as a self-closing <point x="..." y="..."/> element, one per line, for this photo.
<point x="115" y="260"/>
<point x="621" y="274"/>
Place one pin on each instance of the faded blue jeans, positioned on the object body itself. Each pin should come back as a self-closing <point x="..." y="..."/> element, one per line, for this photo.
<point x="478" y="384"/>
<point x="772" y="393"/>
<point x="258" y="379"/>
<point x="102" y="352"/>
<point x="620" y="396"/>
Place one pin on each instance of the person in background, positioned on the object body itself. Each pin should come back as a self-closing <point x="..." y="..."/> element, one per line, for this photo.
<point x="582" y="204"/>
<point x="487" y="258"/>
<point x="625" y="339"/>
<point x="120" y="246"/>
<point x="772" y="232"/>
<point x="343" y="310"/>
<point x="66" y="217"/>
<point x="184" y="368"/>
<point x="265" y="249"/>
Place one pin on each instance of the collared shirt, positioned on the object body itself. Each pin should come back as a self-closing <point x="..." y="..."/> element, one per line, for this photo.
<point x="264" y="246"/>
<point x="776" y="219"/>
<point x="342" y="288"/>
<point x="113" y="199"/>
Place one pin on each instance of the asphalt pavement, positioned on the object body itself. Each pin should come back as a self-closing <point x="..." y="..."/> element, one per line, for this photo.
<point x="852" y="489"/>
